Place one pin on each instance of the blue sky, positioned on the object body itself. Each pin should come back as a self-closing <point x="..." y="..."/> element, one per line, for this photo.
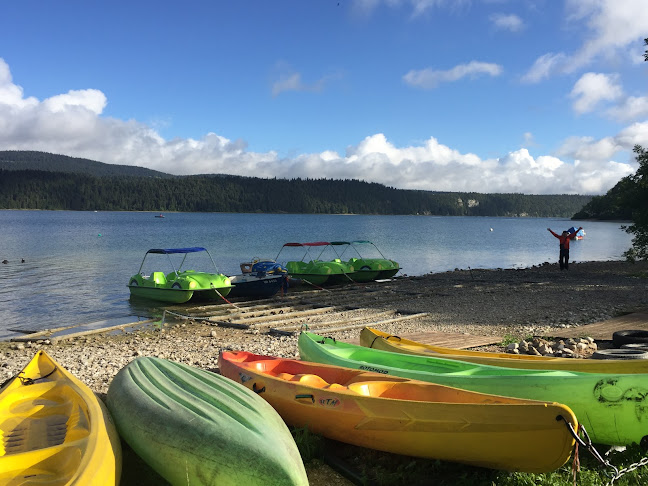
<point x="531" y="96"/>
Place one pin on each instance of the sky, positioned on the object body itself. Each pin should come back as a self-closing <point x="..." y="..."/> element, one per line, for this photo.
<point x="489" y="96"/>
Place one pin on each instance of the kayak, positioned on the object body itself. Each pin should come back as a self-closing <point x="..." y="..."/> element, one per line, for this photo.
<point x="409" y="417"/>
<point x="373" y="338"/>
<point x="55" y="430"/>
<point x="199" y="428"/>
<point x="613" y="408"/>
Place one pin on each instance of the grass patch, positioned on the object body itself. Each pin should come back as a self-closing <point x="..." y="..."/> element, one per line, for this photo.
<point x="374" y="468"/>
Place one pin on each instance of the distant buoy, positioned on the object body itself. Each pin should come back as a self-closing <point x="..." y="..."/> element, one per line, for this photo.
<point x="99" y="234"/>
<point x="491" y="229"/>
<point x="5" y="261"/>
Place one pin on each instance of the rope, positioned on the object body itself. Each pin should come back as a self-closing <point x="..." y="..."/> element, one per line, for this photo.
<point x="30" y="381"/>
<point x="316" y="286"/>
<point x="223" y="297"/>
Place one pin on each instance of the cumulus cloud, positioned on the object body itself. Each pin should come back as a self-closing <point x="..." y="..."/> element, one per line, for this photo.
<point x="510" y="22"/>
<point x="430" y="78"/>
<point x="72" y="124"/>
<point x="632" y="108"/>
<point x="613" y="25"/>
<point x="592" y="88"/>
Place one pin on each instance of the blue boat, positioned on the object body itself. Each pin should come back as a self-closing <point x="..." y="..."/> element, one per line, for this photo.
<point x="257" y="284"/>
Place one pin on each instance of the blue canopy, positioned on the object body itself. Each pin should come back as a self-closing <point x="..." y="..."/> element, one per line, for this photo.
<point x="166" y="251"/>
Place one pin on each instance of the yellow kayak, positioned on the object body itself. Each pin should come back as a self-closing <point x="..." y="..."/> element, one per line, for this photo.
<point x="55" y="430"/>
<point x="373" y="338"/>
<point x="409" y="417"/>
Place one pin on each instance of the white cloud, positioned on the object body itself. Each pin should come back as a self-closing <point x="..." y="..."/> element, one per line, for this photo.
<point x="77" y="128"/>
<point x="509" y="22"/>
<point x="631" y="108"/>
<point x="292" y="81"/>
<point x="592" y="88"/>
<point x="613" y="25"/>
<point x="430" y="78"/>
<point x="544" y="66"/>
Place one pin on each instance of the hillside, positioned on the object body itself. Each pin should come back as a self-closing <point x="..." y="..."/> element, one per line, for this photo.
<point x="31" y="160"/>
<point x="44" y="181"/>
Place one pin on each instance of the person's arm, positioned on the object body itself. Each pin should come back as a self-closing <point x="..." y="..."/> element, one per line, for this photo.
<point x="549" y="229"/>
<point x="573" y="235"/>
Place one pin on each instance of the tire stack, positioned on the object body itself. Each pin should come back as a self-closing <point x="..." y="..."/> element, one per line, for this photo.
<point x="628" y="344"/>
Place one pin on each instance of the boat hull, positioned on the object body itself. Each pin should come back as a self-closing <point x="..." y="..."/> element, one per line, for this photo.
<point x="249" y="285"/>
<point x="409" y="417"/>
<point x="55" y="430"/>
<point x="373" y="338"/>
<point x="172" y="296"/>
<point x="611" y="407"/>
<point x="196" y="427"/>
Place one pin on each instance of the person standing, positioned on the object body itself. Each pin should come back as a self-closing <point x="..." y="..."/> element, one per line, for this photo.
<point x="564" y="239"/>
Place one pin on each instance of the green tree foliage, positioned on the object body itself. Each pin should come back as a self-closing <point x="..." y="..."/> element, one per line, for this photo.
<point x="36" y="189"/>
<point x="637" y="200"/>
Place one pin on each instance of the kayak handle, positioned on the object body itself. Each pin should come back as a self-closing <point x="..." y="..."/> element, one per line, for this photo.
<point x="256" y="390"/>
<point x="299" y="397"/>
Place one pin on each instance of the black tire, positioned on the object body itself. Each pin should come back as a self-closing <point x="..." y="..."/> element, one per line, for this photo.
<point x="641" y="346"/>
<point x="133" y="283"/>
<point x="619" y="338"/>
<point x="176" y="286"/>
<point x="620" y="354"/>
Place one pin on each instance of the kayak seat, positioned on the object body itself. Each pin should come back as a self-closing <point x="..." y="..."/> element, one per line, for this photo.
<point x="310" y="380"/>
<point x="285" y="376"/>
<point x="158" y="278"/>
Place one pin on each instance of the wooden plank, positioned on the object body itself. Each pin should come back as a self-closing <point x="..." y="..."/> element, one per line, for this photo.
<point x="289" y="329"/>
<point x="604" y="330"/>
<point x="270" y="319"/>
<point x="60" y="337"/>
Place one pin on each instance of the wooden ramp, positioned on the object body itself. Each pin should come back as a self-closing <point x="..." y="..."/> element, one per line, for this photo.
<point x="605" y="329"/>
<point x="447" y="339"/>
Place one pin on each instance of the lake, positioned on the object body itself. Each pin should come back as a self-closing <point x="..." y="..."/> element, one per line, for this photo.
<point x="77" y="264"/>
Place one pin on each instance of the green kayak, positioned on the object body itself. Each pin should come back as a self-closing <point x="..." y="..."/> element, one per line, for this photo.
<point x="613" y="408"/>
<point x="199" y="428"/>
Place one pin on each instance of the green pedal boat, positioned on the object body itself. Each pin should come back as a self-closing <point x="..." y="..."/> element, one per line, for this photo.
<point x="197" y="428"/>
<point x="613" y="408"/>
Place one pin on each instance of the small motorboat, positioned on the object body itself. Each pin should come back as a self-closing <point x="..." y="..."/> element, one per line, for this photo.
<point x="257" y="284"/>
<point x="180" y="285"/>
<point x="160" y="216"/>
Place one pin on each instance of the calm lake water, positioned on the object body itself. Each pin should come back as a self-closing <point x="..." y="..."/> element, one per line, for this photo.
<point x="77" y="264"/>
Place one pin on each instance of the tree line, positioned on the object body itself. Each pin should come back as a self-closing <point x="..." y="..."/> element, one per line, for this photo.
<point x="37" y="189"/>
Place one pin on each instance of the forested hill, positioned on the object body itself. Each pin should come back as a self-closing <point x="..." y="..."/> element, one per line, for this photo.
<point x="109" y="189"/>
<point x="31" y="160"/>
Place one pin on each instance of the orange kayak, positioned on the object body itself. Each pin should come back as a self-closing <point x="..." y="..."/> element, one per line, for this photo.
<point x="409" y="417"/>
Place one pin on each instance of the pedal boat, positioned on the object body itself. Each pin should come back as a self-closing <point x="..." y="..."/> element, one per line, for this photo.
<point x="312" y="270"/>
<point x="180" y="285"/>
<point x="368" y="269"/>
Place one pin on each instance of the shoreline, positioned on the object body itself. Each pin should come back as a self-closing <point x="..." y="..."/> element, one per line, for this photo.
<point x="539" y="301"/>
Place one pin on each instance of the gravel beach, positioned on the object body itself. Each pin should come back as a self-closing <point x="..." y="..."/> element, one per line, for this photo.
<point x="538" y="301"/>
